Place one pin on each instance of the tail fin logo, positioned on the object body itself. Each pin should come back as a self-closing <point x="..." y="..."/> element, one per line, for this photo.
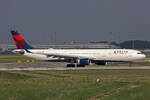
<point x="19" y="41"/>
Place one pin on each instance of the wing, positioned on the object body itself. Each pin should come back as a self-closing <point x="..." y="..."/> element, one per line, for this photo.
<point x="61" y="55"/>
<point x="65" y="56"/>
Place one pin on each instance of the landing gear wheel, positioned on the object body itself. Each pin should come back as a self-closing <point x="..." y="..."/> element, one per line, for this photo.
<point x="71" y="65"/>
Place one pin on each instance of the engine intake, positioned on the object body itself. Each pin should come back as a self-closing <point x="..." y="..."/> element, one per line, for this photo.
<point x="84" y="61"/>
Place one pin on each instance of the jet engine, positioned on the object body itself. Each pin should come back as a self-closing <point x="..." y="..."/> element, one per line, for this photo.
<point x="84" y="61"/>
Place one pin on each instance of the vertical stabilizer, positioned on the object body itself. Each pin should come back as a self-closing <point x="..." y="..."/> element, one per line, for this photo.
<point x="19" y="41"/>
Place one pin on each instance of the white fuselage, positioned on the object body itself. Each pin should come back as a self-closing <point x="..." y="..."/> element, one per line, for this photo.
<point x="95" y="54"/>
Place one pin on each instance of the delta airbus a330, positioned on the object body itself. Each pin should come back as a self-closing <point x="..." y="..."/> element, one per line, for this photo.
<point x="75" y="57"/>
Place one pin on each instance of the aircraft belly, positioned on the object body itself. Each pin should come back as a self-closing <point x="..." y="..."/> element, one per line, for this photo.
<point x="112" y="58"/>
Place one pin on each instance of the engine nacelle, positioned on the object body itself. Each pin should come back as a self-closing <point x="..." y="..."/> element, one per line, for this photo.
<point x="84" y="61"/>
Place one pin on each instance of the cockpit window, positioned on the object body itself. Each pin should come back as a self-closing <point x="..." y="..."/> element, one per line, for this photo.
<point x="139" y="53"/>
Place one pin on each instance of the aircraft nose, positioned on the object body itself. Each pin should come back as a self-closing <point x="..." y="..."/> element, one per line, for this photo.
<point x="143" y="56"/>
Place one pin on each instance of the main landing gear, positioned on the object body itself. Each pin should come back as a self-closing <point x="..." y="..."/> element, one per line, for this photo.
<point x="75" y="65"/>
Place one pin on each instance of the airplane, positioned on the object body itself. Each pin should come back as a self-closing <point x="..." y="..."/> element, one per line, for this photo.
<point x="75" y="57"/>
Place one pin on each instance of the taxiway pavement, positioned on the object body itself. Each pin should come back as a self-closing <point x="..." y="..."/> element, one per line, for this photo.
<point x="60" y="66"/>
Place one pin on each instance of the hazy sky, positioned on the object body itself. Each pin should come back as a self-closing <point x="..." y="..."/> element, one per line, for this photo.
<point x="80" y="20"/>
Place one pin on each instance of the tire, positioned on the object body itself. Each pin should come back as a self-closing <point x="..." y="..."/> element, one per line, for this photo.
<point x="71" y="65"/>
